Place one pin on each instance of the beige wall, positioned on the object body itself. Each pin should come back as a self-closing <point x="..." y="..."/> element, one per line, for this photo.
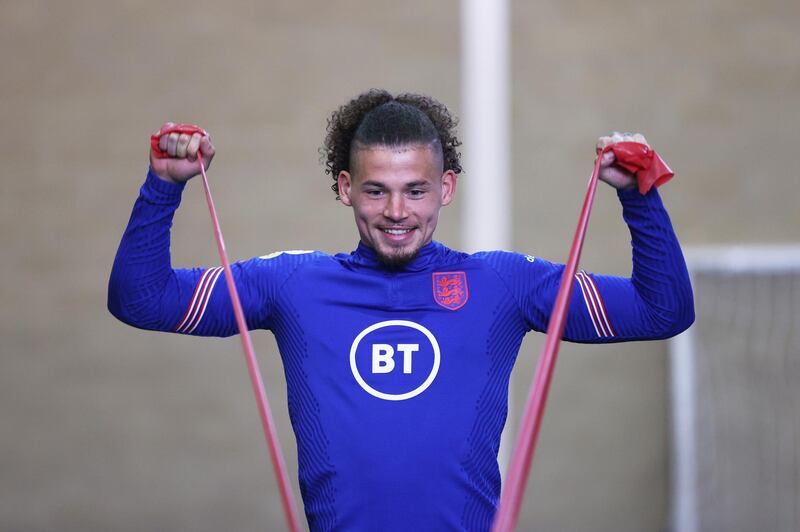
<point x="108" y="428"/>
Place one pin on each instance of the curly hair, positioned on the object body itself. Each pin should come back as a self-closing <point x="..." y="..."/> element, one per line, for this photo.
<point x="376" y="118"/>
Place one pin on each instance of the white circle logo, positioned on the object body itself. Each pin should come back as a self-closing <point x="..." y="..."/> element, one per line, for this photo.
<point x="380" y="357"/>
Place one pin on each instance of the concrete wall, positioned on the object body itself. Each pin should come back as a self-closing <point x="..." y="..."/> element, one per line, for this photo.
<point x="108" y="428"/>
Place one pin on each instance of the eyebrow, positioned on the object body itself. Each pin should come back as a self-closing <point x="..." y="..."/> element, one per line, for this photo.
<point x="413" y="184"/>
<point x="372" y="184"/>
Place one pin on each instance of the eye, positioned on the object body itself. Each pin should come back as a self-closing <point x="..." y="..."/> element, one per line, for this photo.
<point x="373" y="193"/>
<point x="416" y="192"/>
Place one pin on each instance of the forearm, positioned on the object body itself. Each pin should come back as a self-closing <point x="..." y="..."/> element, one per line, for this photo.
<point x="657" y="301"/>
<point x="144" y="290"/>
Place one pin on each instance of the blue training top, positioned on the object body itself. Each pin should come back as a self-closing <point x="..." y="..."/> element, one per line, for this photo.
<point x="398" y="379"/>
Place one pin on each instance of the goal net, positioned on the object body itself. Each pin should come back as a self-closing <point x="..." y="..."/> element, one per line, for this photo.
<point x="735" y="380"/>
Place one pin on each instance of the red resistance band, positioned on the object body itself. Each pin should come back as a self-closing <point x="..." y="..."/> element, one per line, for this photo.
<point x="267" y="423"/>
<point x="650" y="171"/>
<point x="188" y="129"/>
<point x="639" y="159"/>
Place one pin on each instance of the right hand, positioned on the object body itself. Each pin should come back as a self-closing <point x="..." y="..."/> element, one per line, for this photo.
<point x="610" y="172"/>
<point x="181" y="165"/>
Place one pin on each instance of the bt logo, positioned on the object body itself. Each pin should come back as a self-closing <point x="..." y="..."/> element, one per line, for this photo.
<point x="383" y="357"/>
<point x="395" y="360"/>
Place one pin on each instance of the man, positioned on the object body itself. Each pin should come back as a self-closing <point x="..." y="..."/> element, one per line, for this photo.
<point x="397" y="355"/>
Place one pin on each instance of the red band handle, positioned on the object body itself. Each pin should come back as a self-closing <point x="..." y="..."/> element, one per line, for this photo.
<point x="189" y="129"/>
<point x="641" y="160"/>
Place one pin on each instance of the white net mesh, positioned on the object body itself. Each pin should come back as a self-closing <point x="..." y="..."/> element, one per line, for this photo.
<point x="736" y="394"/>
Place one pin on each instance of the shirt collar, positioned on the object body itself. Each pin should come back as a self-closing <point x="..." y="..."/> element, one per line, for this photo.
<point x="425" y="259"/>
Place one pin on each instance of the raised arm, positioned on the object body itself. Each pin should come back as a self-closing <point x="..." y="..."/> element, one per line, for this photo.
<point x="144" y="290"/>
<point x="655" y="302"/>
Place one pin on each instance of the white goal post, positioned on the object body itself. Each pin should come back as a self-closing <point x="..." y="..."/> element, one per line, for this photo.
<point x="735" y="386"/>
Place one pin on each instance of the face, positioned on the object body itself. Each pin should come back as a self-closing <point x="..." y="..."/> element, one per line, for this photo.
<point x="396" y="194"/>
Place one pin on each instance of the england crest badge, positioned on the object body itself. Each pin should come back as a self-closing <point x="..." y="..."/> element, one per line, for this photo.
<point x="450" y="289"/>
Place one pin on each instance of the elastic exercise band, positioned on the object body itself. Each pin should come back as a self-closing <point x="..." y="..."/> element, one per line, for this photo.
<point x="278" y="464"/>
<point x="650" y="171"/>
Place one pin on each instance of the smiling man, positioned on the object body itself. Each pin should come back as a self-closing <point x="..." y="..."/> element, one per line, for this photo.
<point x="396" y="194"/>
<point x="394" y="176"/>
<point x="397" y="355"/>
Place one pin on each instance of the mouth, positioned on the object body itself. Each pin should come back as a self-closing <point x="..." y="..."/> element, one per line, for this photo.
<point x="396" y="234"/>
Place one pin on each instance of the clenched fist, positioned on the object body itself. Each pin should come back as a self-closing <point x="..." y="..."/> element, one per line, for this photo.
<point x="611" y="173"/>
<point x="182" y="149"/>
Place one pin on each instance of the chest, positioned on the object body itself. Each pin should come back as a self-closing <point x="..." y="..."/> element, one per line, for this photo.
<point x="394" y="336"/>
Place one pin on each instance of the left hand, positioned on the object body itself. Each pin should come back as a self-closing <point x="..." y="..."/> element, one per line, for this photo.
<point x="180" y="164"/>
<point x="610" y="173"/>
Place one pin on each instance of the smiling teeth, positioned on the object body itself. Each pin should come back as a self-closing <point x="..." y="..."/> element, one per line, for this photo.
<point x="396" y="231"/>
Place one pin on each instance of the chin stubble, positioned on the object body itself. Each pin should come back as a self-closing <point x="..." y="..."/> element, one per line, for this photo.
<point x="397" y="261"/>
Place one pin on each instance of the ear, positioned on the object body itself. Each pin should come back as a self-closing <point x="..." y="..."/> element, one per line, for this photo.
<point x="345" y="181"/>
<point x="449" y="179"/>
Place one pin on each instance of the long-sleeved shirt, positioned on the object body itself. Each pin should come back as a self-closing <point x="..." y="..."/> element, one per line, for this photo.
<point x="398" y="378"/>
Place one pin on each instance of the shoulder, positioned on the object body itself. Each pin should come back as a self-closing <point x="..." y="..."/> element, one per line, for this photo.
<point x="289" y="259"/>
<point x="513" y="267"/>
<point x="282" y="264"/>
<point x="293" y="256"/>
<point x="504" y="260"/>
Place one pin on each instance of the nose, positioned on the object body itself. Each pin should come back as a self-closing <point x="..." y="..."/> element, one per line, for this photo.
<point x="395" y="208"/>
